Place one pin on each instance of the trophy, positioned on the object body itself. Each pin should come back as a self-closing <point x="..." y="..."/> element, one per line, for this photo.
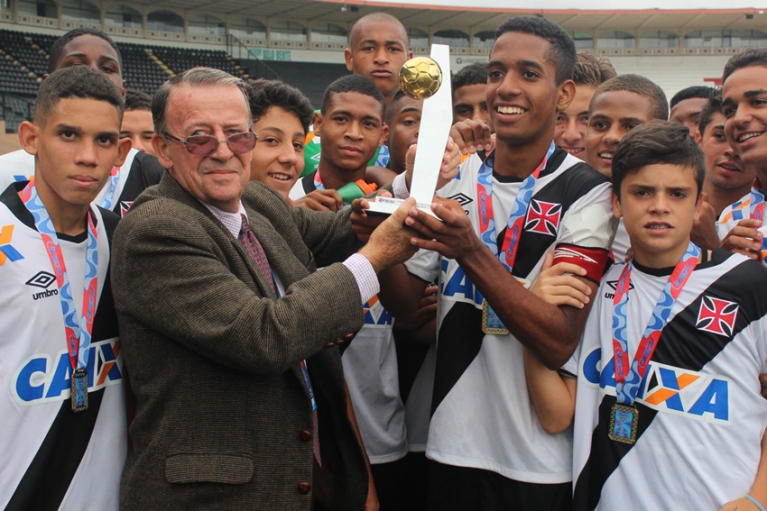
<point x="422" y="78"/>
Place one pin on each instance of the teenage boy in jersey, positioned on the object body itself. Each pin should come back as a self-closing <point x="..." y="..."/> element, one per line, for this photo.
<point x="351" y="127"/>
<point x="93" y="48"/>
<point x="727" y="179"/>
<point x="687" y="104"/>
<point x="590" y="71"/>
<point x="378" y="46"/>
<point x="488" y="448"/>
<point x="682" y="426"/>
<point x="62" y="450"/>
<point x="618" y="106"/>
<point x="281" y="118"/>
<point x="137" y="121"/>
<point x="743" y="98"/>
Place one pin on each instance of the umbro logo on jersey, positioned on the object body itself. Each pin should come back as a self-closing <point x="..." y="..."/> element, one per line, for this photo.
<point x="717" y="316"/>
<point x="124" y="207"/>
<point x="43" y="280"/>
<point x="7" y="252"/>
<point x="462" y="199"/>
<point x="543" y="217"/>
<point x="613" y="285"/>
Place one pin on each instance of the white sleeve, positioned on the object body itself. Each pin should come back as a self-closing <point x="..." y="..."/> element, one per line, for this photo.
<point x="425" y="265"/>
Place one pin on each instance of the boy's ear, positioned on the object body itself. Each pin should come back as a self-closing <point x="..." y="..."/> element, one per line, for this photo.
<point x="384" y="135"/>
<point x="28" y="134"/>
<point x="160" y="146"/>
<point x="616" y="203"/>
<point x="348" y="58"/>
<point x="698" y="138"/>
<point x="318" y="124"/>
<point x="123" y="146"/>
<point x="566" y="95"/>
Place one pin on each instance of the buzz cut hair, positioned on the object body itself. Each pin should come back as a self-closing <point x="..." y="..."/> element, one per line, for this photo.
<point x="695" y="91"/>
<point x="748" y="58"/>
<point x="379" y="17"/>
<point x="657" y="143"/>
<point x="353" y="83"/>
<point x="592" y="70"/>
<point x="562" y="49"/>
<point x="473" y="74"/>
<point x="57" y="49"/>
<point x="638" y="85"/>
<point x="194" y="77"/>
<point x="79" y="82"/>
<point x="265" y="94"/>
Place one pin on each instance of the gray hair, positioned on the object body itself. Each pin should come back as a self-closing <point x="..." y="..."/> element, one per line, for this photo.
<point x="195" y="77"/>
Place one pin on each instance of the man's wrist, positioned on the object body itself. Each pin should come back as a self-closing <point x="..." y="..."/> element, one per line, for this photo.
<point x="365" y="274"/>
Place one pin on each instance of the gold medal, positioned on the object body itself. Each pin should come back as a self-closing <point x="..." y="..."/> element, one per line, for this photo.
<point x="623" y="424"/>
<point x="491" y="323"/>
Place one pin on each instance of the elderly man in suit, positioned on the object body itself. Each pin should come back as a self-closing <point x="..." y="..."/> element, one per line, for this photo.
<point x="227" y="329"/>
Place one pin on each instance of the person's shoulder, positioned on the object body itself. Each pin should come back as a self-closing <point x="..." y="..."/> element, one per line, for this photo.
<point x="148" y="166"/>
<point x="258" y="195"/>
<point x="579" y="175"/>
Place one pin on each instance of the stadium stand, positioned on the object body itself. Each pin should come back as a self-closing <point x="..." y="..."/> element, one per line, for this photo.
<point x="310" y="77"/>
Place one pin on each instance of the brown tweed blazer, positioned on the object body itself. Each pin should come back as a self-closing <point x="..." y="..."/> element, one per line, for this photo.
<point x="223" y="411"/>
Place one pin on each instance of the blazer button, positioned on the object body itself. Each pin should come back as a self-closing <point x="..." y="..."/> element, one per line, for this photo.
<point x="305" y="435"/>
<point x="304" y="487"/>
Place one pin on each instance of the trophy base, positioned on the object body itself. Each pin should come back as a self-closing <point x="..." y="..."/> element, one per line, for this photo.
<point x="385" y="206"/>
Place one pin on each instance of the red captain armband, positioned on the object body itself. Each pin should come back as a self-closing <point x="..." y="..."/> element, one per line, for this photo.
<point x="594" y="260"/>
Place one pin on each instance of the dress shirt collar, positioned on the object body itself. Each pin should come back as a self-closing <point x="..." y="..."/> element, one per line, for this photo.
<point x="232" y="221"/>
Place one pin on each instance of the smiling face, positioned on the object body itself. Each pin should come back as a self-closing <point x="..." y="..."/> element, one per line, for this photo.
<point x="744" y="104"/>
<point x="74" y="150"/>
<point x="351" y="130"/>
<point x="219" y="178"/>
<point x="723" y="167"/>
<point x="92" y="51"/>
<point x="658" y="204"/>
<point x="613" y="114"/>
<point x="278" y="158"/>
<point x="570" y="132"/>
<point x="377" y="51"/>
<point x="522" y="94"/>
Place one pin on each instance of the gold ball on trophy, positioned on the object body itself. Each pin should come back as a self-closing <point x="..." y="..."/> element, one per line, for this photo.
<point x="420" y="77"/>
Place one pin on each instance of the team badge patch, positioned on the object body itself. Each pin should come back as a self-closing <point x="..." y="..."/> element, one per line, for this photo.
<point x="124" y="207"/>
<point x="543" y="217"/>
<point x="717" y="316"/>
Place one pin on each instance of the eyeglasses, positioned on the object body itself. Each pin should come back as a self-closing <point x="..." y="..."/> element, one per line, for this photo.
<point x="204" y="145"/>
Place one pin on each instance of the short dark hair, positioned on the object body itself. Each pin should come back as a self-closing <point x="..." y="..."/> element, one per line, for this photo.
<point x="562" y="51"/>
<point x="137" y="100"/>
<point x="748" y="58"/>
<point x="57" y="49"/>
<point x="638" y="85"/>
<point x="713" y="106"/>
<point x="194" y="77"/>
<point x="264" y="94"/>
<point x="353" y="83"/>
<point x="592" y="70"/>
<point x="472" y="74"/>
<point x="657" y="142"/>
<point x="75" y="82"/>
<point x="696" y="91"/>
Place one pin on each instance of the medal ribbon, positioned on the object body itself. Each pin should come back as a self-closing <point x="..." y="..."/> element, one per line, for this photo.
<point x="77" y="328"/>
<point x="628" y="378"/>
<point x="318" y="181"/>
<point x="508" y="253"/>
<point x="114" y="177"/>
<point x="757" y="201"/>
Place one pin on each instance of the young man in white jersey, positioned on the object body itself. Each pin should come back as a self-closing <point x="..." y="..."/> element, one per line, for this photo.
<point x="668" y="410"/>
<point x="93" y="48"/>
<point x="487" y="447"/>
<point x="64" y="434"/>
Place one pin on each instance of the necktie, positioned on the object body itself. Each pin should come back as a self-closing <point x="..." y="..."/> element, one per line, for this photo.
<point x="252" y="246"/>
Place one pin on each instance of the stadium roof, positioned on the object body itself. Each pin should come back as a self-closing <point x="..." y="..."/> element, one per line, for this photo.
<point x="592" y="15"/>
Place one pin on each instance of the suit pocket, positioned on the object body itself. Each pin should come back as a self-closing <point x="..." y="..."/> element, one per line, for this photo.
<point x="208" y="468"/>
